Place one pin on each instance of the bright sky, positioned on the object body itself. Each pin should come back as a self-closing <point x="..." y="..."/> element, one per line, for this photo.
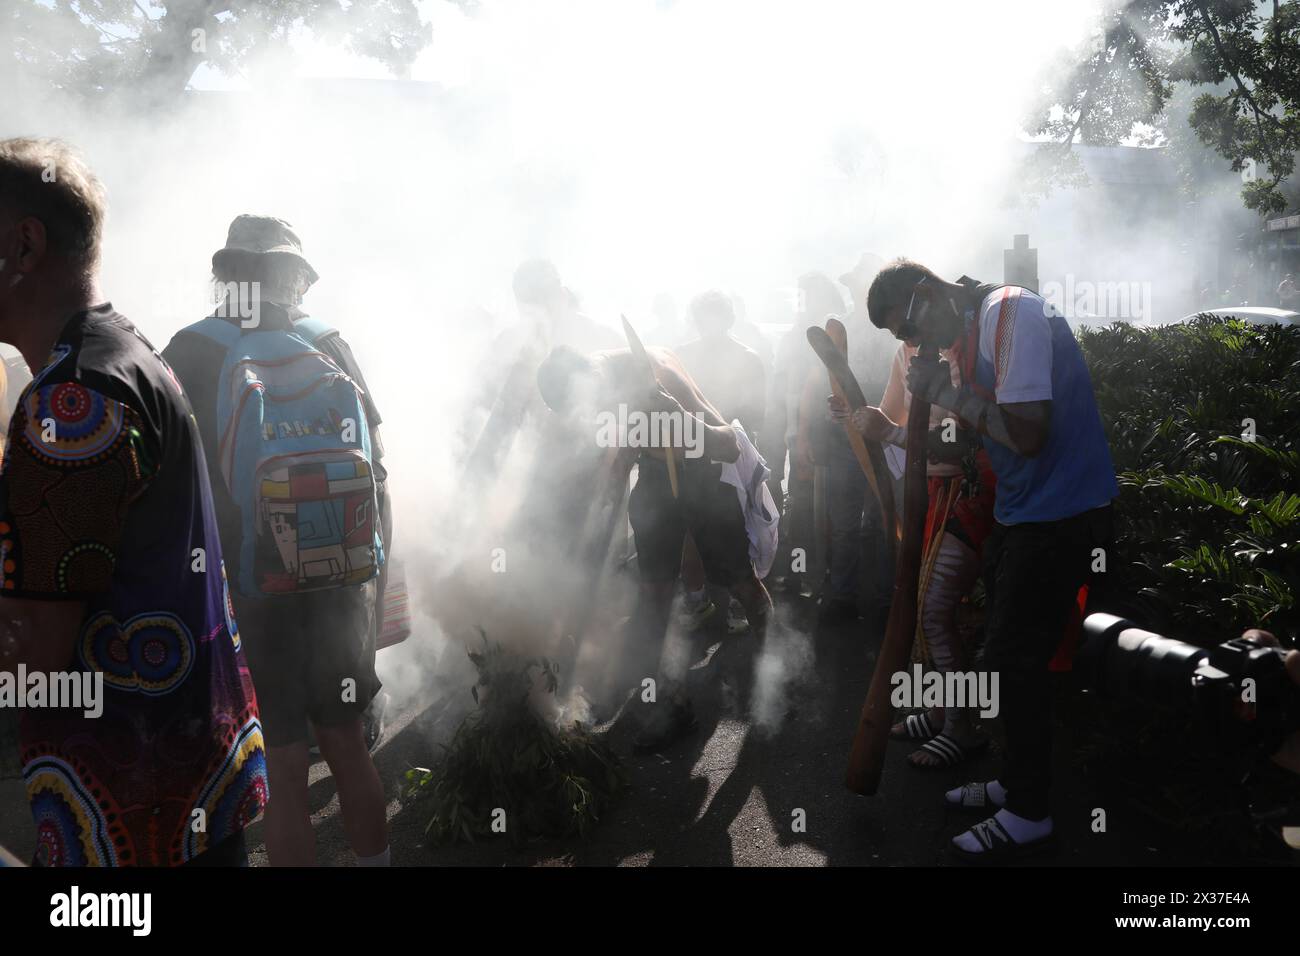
<point x="554" y="44"/>
<point x="725" y="103"/>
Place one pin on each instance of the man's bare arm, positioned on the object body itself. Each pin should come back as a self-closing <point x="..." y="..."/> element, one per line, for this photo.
<point x="39" y="634"/>
<point x="720" y="441"/>
<point x="681" y="386"/>
<point x="1023" y="427"/>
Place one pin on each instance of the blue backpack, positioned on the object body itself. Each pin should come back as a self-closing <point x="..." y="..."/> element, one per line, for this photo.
<point x="294" y="451"/>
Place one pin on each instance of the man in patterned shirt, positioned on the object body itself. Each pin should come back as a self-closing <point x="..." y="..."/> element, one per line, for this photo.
<point x="110" y="558"/>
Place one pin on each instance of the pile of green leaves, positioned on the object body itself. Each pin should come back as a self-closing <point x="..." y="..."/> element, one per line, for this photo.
<point x="550" y="781"/>
<point x="1204" y="426"/>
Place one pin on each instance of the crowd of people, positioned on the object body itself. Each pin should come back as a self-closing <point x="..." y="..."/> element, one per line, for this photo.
<point x="183" y="526"/>
<point x="1020" y="482"/>
<point x="209" y="527"/>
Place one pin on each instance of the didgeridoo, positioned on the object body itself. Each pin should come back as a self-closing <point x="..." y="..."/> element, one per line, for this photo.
<point x="867" y="757"/>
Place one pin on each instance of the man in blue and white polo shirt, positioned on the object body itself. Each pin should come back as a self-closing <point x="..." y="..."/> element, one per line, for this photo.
<point x="1026" y="390"/>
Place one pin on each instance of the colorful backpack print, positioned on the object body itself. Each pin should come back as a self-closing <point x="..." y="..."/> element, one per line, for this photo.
<point x="295" y="454"/>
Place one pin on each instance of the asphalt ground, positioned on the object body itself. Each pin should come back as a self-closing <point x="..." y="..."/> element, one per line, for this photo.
<point x="758" y="783"/>
<point x="760" y="780"/>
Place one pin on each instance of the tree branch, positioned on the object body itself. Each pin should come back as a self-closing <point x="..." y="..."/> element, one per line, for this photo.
<point x="1277" y="40"/>
<point x="1231" y="70"/>
<point x="1084" y="107"/>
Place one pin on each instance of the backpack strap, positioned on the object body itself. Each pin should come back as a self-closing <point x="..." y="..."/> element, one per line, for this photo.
<point x="313" y="330"/>
<point x="218" y="330"/>
<point x="327" y="339"/>
<point x="969" y="344"/>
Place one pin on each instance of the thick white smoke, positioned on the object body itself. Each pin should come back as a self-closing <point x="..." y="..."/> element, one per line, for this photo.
<point x="644" y="147"/>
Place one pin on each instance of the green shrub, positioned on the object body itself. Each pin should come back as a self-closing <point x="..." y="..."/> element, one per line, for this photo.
<point x="1208" y="518"/>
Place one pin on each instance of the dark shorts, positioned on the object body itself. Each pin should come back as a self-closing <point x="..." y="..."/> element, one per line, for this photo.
<point x="706" y="507"/>
<point x="230" y="852"/>
<point x="301" y="650"/>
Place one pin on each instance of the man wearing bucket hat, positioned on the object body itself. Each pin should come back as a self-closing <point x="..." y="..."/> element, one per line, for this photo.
<point x="255" y="241"/>
<point x="305" y="598"/>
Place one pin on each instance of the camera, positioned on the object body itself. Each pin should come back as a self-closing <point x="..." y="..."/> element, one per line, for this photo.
<point x="1237" y="699"/>
<point x="1238" y="692"/>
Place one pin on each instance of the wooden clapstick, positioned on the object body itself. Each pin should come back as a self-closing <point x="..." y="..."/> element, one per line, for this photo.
<point x="874" y="467"/>
<point x="643" y="359"/>
<point x="840" y="336"/>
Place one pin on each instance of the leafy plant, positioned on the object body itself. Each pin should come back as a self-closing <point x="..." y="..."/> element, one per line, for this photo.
<point x="1203" y="426"/>
<point x="550" y="780"/>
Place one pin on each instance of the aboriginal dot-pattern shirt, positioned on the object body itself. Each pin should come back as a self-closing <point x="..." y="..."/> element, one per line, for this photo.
<point x="104" y="498"/>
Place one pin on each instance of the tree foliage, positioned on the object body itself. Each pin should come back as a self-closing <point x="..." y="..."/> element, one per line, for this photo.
<point x="149" y="49"/>
<point x="1243" y="56"/>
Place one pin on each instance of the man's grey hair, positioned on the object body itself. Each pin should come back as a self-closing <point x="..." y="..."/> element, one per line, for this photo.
<point x="47" y="180"/>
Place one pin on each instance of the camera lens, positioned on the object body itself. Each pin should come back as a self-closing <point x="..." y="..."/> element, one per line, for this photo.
<point x="1120" y="659"/>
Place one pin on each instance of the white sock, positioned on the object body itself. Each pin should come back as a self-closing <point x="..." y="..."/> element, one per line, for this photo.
<point x="695" y="599"/>
<point x="379" y="859"/>
<point x="996" y="793"/>
<point x="1022" y="829"/>
<point x="1018" y="828"/>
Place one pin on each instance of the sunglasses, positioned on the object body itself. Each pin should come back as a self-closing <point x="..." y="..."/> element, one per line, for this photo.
<point x="907" y="329"/>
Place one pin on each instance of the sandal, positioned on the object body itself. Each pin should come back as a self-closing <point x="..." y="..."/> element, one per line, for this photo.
<point x="703" y="616"/>
<point x="947" y="751"/>
<point x="971" y="796"/>
<point x="915" y="727"/>
<point x="998" y="846"/>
